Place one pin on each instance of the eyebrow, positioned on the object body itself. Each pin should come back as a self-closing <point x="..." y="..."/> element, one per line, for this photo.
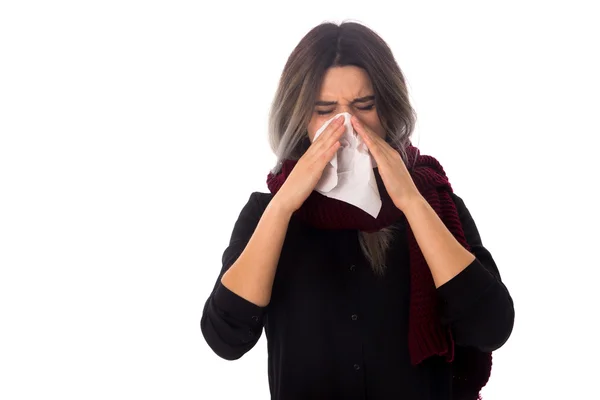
<point x="357" y="100"/>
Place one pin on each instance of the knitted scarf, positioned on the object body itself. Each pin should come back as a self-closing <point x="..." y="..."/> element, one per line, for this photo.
<point x="427" y="337"/>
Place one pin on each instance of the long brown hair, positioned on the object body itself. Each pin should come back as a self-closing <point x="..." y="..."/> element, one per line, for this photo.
<point x="329" y="45"/>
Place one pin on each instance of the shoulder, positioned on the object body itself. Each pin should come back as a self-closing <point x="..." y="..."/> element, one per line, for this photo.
<point x="457" y="200"/>
<point x="258" y="201"/>
<point x="469" y="226"/>
<point x="249" y="216"/>
<point x="463" y="212"/>
<point x="262" y="198"/>
<point x="255" y="205"/>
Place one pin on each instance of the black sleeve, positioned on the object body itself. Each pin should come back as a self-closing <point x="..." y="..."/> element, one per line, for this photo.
<point x="230" y="324"/>
<point x="475" y="302"/>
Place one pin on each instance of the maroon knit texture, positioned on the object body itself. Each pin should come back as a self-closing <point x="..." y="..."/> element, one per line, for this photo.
<point x="426" y="336"/>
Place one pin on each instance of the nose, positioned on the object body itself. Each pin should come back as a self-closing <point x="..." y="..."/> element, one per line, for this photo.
<point x="345" y="108"/>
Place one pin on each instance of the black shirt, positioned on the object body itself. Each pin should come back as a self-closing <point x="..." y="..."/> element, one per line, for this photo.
<point x="336" y="330"/>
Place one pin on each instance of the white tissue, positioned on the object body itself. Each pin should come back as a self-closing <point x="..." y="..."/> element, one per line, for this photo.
<point x="349" y="176"/>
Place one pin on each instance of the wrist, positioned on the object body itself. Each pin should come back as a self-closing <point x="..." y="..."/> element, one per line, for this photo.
<point x="280" y="206"/>
<point x="413" y="203"/>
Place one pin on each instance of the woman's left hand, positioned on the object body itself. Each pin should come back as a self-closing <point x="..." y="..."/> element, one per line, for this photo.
<point x="393" y="171"/>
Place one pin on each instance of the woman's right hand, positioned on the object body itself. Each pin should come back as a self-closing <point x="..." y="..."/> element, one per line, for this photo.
<point x="309" y="168"/>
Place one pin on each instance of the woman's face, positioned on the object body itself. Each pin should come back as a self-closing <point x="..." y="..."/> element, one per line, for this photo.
<point x="345" y="89"/>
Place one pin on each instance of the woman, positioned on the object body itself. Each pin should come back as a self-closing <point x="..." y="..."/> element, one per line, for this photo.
<point x="408" y="305"/>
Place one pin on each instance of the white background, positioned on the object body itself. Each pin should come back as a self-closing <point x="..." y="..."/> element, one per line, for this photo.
<point x="132" y="133"/>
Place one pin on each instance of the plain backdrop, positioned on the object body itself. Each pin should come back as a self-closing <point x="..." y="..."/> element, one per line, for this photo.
<point x="133" y="132"/>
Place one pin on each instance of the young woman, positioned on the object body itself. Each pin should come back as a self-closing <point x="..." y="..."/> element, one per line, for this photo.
<point x="408" y="305"/>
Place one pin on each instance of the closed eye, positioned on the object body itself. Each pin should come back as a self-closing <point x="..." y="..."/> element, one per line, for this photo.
<point x="365" y="108"/>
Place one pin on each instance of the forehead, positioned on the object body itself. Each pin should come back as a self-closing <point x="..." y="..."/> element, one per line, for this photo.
<point x="346" y="83"/>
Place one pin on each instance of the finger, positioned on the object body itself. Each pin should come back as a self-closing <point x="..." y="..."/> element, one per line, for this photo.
<point x="363" y="130"/>
<point x="330" y="129"/>
<point x="373" y="141"/>
<point x="328" y="154"/>
<point x="333" y="135"/>
<point x="367" y="136"/>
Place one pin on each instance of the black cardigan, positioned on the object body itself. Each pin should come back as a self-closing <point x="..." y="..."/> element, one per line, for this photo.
<point x="337" y="331"/>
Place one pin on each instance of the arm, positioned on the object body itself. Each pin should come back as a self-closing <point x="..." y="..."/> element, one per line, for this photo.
<point x="251" y="275"/>
<point x="475" y="302"/>
<point x="445" y="256"/>
<point x="232" y="318"/>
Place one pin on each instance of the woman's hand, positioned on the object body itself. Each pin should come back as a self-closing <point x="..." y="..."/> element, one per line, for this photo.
<point x="309" y="168"/>
<point x="393" y="171"/>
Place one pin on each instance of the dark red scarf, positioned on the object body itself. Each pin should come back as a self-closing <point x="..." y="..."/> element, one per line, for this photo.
<point x="427" y="337"/>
